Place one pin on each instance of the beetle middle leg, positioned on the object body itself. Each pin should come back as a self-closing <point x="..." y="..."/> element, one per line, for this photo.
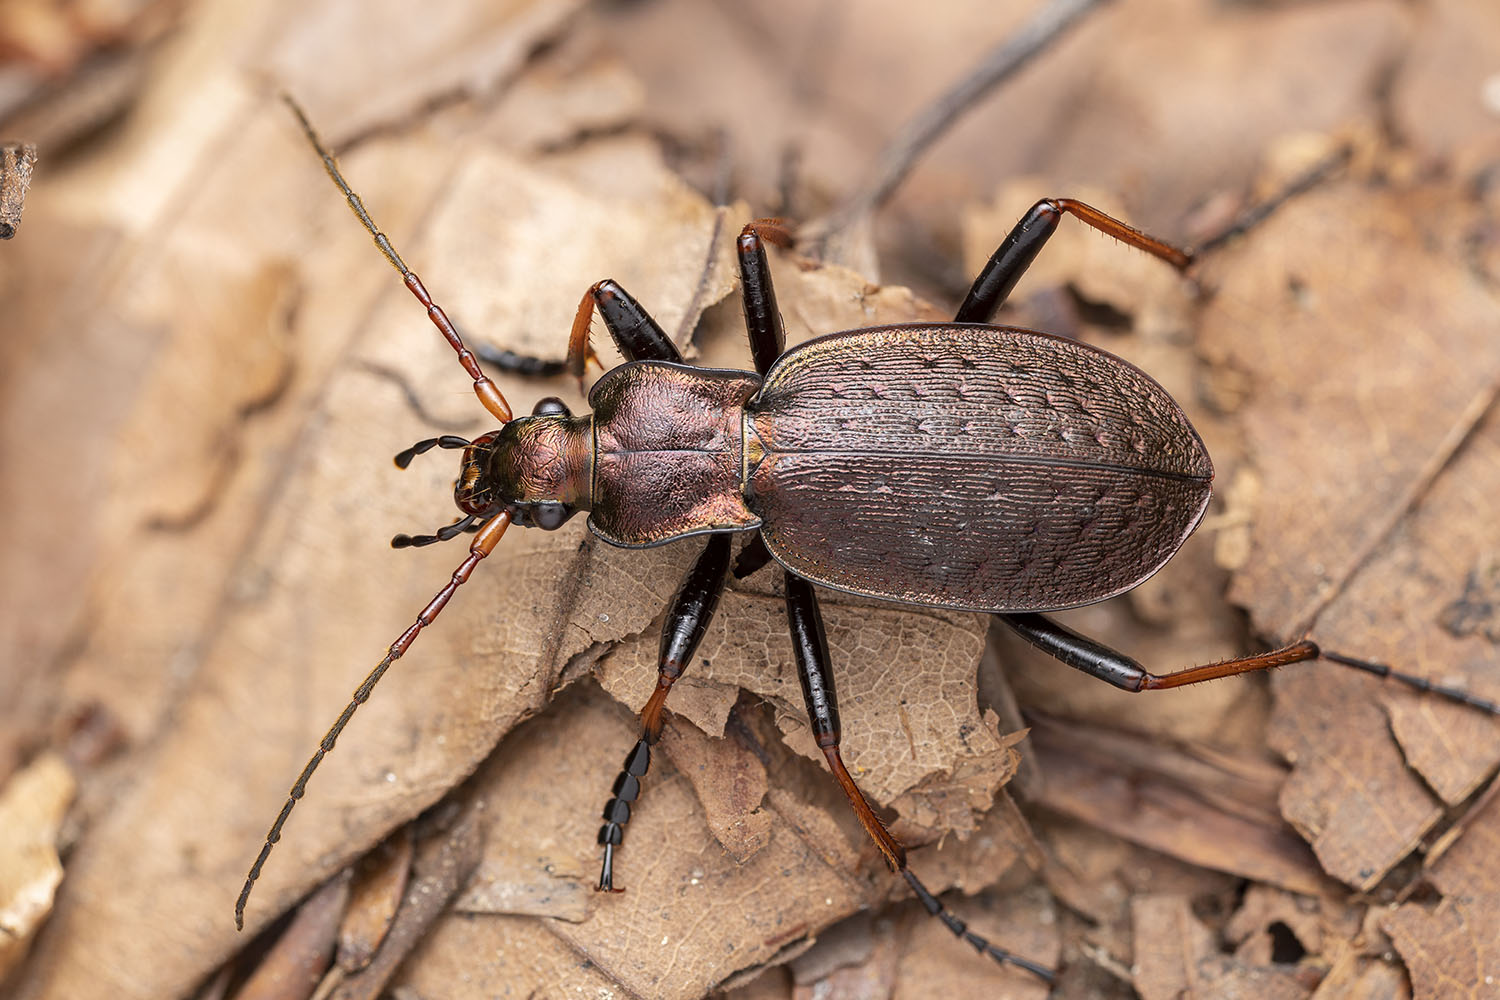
<point x="687" y="619"/>
<point x="640" y="338"/>
<point x="767" y="334"/>
<point x="999" y="275"/>
<point x="810" y="646"/>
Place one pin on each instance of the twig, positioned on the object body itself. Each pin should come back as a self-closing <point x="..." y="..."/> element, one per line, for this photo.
<point x="1259" y="212"/>
<point x="16" y="161"/>
<point x="901" y="154"/>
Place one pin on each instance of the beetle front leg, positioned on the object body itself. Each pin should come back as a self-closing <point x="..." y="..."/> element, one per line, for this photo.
<point x="687" y="618"/>
<point x="635" y="333"/>
<point x="810" y="647"/>
<point x="1005" y="267"/>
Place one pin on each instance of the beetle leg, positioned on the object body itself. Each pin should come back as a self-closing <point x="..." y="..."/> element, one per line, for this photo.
<point x="525" y="365"/>
<point x="752" y="557"/>
<point x="810" y="646"/>
<point x="1100" y="661"/>
<point x="762" y="318"/>
<point x="687" y="618"/>
<point x="1020" y="248"/>
<point x="636" y="334"/>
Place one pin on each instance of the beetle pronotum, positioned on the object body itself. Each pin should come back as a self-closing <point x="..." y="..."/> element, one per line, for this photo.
<point x="957" y="465"/>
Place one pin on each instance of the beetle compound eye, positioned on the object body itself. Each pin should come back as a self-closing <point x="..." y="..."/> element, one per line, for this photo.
<point x="549" y="516"/>
<point x="551" y="406"/>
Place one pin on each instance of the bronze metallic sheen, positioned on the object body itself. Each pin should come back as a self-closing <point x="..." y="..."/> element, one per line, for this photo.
<point x="973" y="467"/>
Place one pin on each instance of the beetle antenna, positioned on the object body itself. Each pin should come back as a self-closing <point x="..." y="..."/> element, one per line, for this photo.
<point x="446" y="532"/>
<point x="1413" y="681"/>
<point x="483" y="544"/>
<point x="403" y="458"/>
<point x="488" y="393"/>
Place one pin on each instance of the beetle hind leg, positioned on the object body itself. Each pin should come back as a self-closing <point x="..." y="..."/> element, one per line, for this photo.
<point x="999" y="275"/>
<point x="810" y="645"/>
<point x="1098" y="660"/>
<point x="687" y="619"/>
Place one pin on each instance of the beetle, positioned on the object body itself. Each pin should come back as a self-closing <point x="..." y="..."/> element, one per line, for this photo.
<point x="954" y="465"/>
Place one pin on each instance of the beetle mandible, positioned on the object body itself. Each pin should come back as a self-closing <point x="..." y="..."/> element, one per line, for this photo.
<point x="955" y="465"/>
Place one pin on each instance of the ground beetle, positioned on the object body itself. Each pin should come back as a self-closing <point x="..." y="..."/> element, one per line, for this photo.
<point x="955" y="465"/>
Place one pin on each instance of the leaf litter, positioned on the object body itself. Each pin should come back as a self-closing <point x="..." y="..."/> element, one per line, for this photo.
<point x="1360" y="502"/>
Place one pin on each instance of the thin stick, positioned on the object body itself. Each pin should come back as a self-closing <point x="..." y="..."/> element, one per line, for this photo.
<point x="1261" y="211"/>
<point x="901" y="154"/>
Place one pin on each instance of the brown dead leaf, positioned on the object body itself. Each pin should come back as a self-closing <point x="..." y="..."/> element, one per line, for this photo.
<point x="1176" y="956"/>
<point x="1467" y="865"/>
<point x="1349" y="283"/>
<point x="16" y="163"/>
<point x="1365" y="980"/>
<point x="47" y="538"/>
<point x="300" y="549"/>
<point x="729" y="780"/>
<point x="1452" y="951"/>
<point x="1341" y="290"/>
<point x="295" y="963"/>
<point x="32" y="805"/>
<point x="464" y="956"/>
<point x="443" y="863"/>
<point x="388" y="65"/>
<point x="1450" y="69"/>
<point x="1171" y="947"/>
<point x="1265" y="908"/>
<point x="1024" y="922"/>
<point x="691" y="914"/>
<point x="1204" y="809"/>
<point x="1134" y="99"/>
<point x="853" y="960"/>
<point x="1441" y="748"/>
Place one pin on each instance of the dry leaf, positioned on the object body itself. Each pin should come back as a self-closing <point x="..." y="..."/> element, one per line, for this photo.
<point x="1384" y="429"/>
<point x="32" y="804"/>
<point x="1452" y="951"/>
<point x="1177" y="957"/>
<point x="1194" y="807"/>
<point x="208" y="367"/>
<point x="295" y="963"/>
<point x="388" y="65"/>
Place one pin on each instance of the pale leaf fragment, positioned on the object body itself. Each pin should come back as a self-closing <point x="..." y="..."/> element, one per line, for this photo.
<point x="32" y="806"/>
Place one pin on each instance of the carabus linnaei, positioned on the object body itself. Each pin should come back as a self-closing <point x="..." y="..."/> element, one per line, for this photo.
<point x="954" y="465"/>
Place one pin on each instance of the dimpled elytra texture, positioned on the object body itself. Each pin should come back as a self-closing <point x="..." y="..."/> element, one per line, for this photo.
<point x="980" y="468"/>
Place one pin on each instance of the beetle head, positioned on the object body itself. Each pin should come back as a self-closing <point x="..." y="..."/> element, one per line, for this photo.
<point x="536" y="467"/>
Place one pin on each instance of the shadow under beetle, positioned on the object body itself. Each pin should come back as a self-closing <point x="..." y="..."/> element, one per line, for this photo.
<point x="956" y="465"/>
